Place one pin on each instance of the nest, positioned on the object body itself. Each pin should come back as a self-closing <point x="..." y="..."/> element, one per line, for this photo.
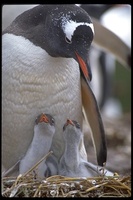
<point x="60" y="186"/>
<point x="30" y="185"/>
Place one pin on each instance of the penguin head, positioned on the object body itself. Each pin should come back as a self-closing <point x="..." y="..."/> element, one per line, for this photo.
<point x="70" y="35"/>
<point x="61" y="30"/>
<point x="46" y="123"/>
<point x="72" y="132"/>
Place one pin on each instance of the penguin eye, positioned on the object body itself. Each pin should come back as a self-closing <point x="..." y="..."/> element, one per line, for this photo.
<point x="68" y="41"/>
<point x="52" y="121"/>
<point x="77" y="124"/>
<point x="64" y="127"/>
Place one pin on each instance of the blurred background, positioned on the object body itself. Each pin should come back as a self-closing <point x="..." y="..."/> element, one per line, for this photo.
<point x="111" y="82"/>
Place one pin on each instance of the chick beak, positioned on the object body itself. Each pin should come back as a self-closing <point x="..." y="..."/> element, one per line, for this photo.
<point x="44" y="118"/>
<point x="69" y="122"/>
<point x="85" y="68"/>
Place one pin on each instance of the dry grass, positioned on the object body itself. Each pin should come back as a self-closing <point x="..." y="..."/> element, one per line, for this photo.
<point x="59" y="186"/>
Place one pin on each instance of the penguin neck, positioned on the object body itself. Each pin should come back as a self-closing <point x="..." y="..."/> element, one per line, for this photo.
<point x="26" y="52"/>
<point x="42" y="140"/>
<point x="71" y="154"/>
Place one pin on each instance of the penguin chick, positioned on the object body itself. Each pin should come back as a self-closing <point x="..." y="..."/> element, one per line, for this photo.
<point x="71" y="163"/>
<point x="44" y="130"/>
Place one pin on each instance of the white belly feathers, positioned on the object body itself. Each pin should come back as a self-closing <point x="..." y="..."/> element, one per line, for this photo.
<point x="27" y="74"/>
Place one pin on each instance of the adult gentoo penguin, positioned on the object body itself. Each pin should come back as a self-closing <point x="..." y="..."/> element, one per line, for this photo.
<point x="41" y="53"/>
<point x="71" y="163"/>
<point x="44" y="130"/>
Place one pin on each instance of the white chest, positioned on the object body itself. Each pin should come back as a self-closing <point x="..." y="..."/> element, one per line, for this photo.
<point x="32" y="83"/>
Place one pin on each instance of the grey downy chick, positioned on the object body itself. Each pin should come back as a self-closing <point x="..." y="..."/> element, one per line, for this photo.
<point x="71" y="163"/>
<point x="44" y="130"/>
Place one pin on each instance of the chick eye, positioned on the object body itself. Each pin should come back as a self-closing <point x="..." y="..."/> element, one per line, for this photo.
<point x="52" y="121"/>
<point x="67" y="40"/>
<point x="76" y="124"/>
<point x="64" y="127"/>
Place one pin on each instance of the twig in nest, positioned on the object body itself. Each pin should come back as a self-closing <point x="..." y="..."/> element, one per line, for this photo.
<point x="32" y="168"/>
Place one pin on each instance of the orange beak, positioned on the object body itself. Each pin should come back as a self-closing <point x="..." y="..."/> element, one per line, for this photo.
<point x="69" y="122"/>
<point x="83" y="67"/>
<point x="44" y="118"/>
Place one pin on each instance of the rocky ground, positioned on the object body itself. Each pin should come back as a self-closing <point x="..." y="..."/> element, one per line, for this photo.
<point x="118" y="135"/>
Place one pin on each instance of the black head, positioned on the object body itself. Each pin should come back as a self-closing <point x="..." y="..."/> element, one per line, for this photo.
<point x="62" y="30"/>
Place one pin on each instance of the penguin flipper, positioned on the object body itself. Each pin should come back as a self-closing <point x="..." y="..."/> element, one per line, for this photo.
<point x="93" y="116"/>
<point x="97" y="170"/>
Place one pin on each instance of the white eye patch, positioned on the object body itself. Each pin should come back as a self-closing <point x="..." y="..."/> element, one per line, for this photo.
<point x="70" y="26"/>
